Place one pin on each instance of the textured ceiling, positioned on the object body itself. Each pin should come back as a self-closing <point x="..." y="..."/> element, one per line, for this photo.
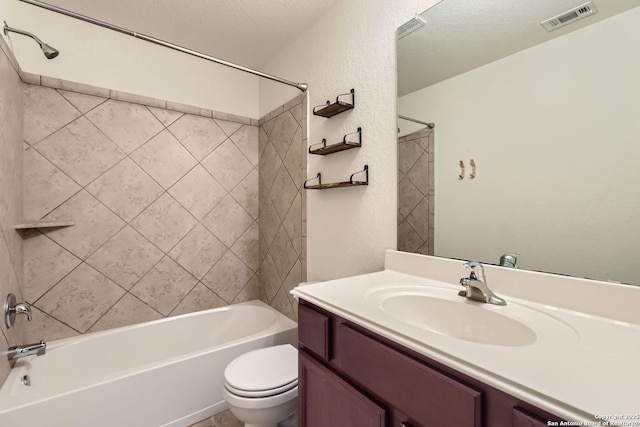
<point x="461" y="35"/>
<point x="248" y="32"/>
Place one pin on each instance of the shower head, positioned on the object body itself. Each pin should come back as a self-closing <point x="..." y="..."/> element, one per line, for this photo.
<point x="48" y="51"/>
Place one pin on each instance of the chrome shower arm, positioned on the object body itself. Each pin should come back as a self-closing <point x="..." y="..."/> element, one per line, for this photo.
<point x="48" y="51"/>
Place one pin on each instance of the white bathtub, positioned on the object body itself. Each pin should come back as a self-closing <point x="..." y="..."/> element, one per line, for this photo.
<point x="162" y="373"/>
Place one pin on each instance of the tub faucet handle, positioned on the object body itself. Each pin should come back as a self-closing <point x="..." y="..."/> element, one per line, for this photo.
<point x="12" y="308"/>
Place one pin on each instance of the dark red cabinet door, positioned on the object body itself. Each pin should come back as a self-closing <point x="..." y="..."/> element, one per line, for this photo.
<point x="331" y="401"/>
<point x="522" y="418"/>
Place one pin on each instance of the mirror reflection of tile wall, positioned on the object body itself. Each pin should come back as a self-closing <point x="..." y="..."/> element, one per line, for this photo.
<point x="416" y="192"/>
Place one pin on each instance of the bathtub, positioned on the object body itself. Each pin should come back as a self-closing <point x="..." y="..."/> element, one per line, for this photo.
<point x="167" y="372"/>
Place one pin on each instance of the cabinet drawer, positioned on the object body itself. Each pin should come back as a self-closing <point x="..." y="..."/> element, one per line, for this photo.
<point x="314" y="331"/>
<point x="430" y="397"/>
<point x="522" y="418"/>
<point x="331" y="402"/>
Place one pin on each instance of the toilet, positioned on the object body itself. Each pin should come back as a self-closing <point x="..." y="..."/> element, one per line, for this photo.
<point x="261" y="387"/>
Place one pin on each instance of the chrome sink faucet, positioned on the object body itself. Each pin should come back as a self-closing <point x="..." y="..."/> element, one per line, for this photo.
<point x="476" y="285"/>
<point x="21" y="351"/>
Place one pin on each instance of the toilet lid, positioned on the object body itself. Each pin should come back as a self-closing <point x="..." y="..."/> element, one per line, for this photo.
<point x="271" y="370"/>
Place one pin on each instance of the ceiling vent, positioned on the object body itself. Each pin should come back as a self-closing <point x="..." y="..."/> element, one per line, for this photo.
<point x="569" y="16"/>
<point x="410" y="27"/>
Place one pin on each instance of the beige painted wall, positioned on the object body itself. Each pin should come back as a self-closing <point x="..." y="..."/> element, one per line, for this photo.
<point x="352" y="46"/>
<point x="104" y="58"/>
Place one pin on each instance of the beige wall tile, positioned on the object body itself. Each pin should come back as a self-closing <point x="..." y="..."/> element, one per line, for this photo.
<point x="164" y="222"/>
<point x="10" y="284"/>
<point x="293" y="224"/>
<point x="251" y="291"/>
<point x="270" y="164"/>
<point x="83" y="102"/>
<point x="74" y="86"/>
<point x="125" y="189"/>
<point x="228" y="221"/>
<point x="80" y="150"/>
<point x="283" y="192"/>
<point x="227" y="165"/>
<point x="126" y="258"/>
<point x="284" y="128"/>
<point x="246" y="194"/>
<point x="228" y="277"/>
<point x="246" y="247"/>
<point x="282" y="304"/>
<point x="282" y="203"/>
<point x="5" y="367"/>
<point x="198" y="192"/>
<point x="45" y="186"/>
<point x="138" y="99"/>
<point x="45" y="111"/>
<point x="270" y="280"/>
<point x="283" y="254"/>
<point x="128" y="311"/>
<point x="228" y="127"/>
<point x="269" y="223"/>
<point x="231" y="117"/>
<point x="200" y="135"/>
<point x="81" y="298"/>
<point x="246" y="139"/>
<point x="164" y="287"/>
<point x="164" y="159"/>
<point x="127" y="125"/>
<point x="45" y="264"/>
<point x="198" y="251"/>
<point x="189" y="109"/>
<point x="45" y="327"/>
<point x="200" y="298"/>
<point x="166" y="117"/>
<point x="133" y="188"/>
<point x="11" y="182"/>
<point x="33" y="79"/>
<point x="293" y="159"/>
<point x="94" y="224"/>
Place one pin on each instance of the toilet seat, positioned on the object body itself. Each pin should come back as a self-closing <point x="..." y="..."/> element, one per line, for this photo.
<point x="264" y="372"/>
<point x="261" y="393"/>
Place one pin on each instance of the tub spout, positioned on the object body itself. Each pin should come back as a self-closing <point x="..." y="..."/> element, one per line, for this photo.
<point x="21" y="351"/>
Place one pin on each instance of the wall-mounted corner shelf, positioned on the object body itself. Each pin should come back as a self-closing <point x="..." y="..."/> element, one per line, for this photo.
<point x="340" y="146"/>
<point x="329" y="110"/>
<point x="350" y="183"/>
<point x="43" y="224"/>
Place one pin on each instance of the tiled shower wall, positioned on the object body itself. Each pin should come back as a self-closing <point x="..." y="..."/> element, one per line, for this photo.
<point x="416" y="192"/>
<point x="283" y="168"/>
<point x="10" y="196"/>
<point x="165" y="205"/>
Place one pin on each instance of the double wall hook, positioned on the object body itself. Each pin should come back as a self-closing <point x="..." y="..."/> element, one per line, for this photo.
<point x="472" y="175"/>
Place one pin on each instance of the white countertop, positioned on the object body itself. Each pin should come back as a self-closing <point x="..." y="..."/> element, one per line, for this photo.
<point x="581" y="365"/>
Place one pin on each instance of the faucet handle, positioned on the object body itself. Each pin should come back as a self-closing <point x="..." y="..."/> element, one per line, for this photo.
<point x="12" y="308"/>
<point x="476" y="270"/>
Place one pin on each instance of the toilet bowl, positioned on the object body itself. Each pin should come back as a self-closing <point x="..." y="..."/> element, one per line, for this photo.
<point x="261" y="386"/>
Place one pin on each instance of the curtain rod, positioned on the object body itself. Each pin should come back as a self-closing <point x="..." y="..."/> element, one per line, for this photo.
<point x="429" y="125"/>
<point x="301" y="86"/>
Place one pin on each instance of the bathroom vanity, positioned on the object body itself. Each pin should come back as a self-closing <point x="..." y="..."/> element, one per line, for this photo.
<point x="369" y="379"/>
<point x="401" y="348"/>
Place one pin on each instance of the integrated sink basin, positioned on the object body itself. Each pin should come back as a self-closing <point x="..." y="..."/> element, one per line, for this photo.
<point x="440" y="310"/>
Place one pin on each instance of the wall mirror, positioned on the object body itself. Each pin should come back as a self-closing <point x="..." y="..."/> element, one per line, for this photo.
<point x="536" y="144"/>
